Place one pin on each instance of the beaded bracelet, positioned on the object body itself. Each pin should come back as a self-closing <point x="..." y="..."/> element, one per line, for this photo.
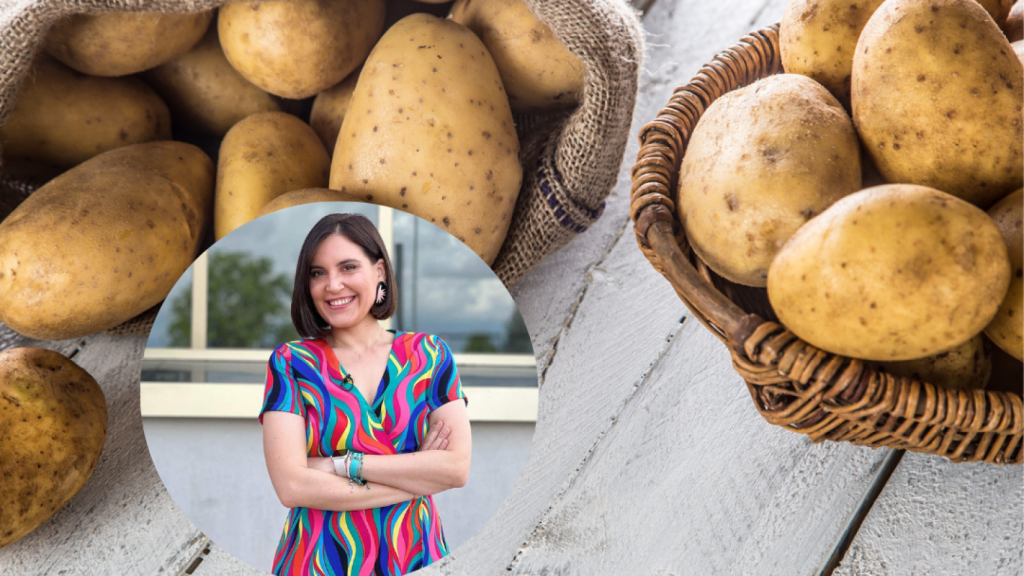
<point x="355" y="469"/>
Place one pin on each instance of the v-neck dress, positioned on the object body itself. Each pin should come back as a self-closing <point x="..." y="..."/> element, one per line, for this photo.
<point x="305" y="378"/>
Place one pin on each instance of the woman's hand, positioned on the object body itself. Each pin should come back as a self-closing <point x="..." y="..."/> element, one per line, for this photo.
<point x="301" y="483"/>
<point x="437" y="437"/>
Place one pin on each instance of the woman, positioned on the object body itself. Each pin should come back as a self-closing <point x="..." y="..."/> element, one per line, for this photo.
<point x="360" y="426"/>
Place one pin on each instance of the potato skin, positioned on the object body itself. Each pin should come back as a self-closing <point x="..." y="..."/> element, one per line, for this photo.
<point x="62" y="117"/>
<point x="893" y="272"/>
<point x="298" y="48"/>
<point x="53" y="421"/>
<point x="1007" y="328"/>
<point x="262" y="157"/>
<point x="762" y="161"/>
<point x="305" y="196"/>
<point x="119" y="43"/>
<point x="537" y="70"/>
<point x="329" y="110"/>
<point x="205" y="92"/>
<point x="967" y="366"/>
<point x="938" y="99"/>
<point x="106" y="240"/>
<point x="429" y="131"/>
<point x="817" y="38"/>
<point x="1013" y="26"/>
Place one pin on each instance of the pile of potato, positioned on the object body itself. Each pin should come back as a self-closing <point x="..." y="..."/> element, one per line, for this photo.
<point x="417" y="117"/>
<point x="297" y="101"/>
<point x="874" y="188"/>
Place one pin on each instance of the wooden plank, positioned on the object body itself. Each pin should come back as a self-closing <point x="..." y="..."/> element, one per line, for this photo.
<point x="688" y="475"/>
<point x="939" y="518"/>
<point x="122" y="521"/>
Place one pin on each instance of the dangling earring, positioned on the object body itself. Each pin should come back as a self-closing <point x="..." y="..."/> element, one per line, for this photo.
<point x="382" y="290"/>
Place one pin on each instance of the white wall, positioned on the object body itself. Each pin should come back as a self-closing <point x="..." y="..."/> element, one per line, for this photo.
<point x="214" y="471"/>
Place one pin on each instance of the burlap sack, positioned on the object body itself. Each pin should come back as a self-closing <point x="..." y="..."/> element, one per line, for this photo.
<point x="571" y="159"/>
<point x="570" y="164"/>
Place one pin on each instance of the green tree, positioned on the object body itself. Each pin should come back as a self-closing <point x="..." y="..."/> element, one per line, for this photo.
<point x="248" y="304"/>
<point x="518" y="337"/>
<point x="480" y="343"/>
<point x="181" y="319"/>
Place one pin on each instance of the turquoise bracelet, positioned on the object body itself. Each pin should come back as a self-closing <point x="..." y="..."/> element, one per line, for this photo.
<point x="355" y="468"/>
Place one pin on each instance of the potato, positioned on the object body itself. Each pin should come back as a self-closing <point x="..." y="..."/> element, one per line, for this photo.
<point x="538" y="71"/>
<point x="305" y="196"/>
<point x="1007" y="328"/>
<point x="329" y="109"/>
<point x="1013" y="26"/>
<point x="298" y="48"/>
<point x="1018" y="49"/>
<point x="104" y="241"/>
<point x="938" y="99"/>
<point x="429" y="131"/>
<point x="999" y="10"/>
<point x="205" y="92"/>
<point x="894" y="272"/>
<point x="817" y="39"/>
<point x="763" y="160"/>
<point x="967" y="366"/>
<point x="119" y="43"/>
<point x="262" y="157"/>
<point x="53" y="422"/>
<point x="62" y="118"/>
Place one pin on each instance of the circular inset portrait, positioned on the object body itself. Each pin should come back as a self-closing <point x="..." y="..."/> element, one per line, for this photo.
<point x="339" y="388"/>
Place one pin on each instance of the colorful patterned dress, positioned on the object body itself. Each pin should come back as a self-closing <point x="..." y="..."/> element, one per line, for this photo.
<point x="305" y="378"/>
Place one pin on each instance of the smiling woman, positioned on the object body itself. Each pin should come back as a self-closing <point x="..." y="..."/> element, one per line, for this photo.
<point x="360" y="427"/>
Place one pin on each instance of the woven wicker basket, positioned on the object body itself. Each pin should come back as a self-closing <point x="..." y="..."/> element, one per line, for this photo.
<point x="792" y="383"/>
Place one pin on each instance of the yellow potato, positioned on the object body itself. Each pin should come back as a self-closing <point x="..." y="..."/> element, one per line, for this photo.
<point x="894" y="272"/>
<point x="938" y="99"/>
<point x="53" y="422"/>
<point x="306" y="196"/>
<point x="1007" y="328"/>
<point x="262" y="157"/>
<point x="537" y="70"/>
<point x="1013" y="26"/>
<point x="296" y="49"/>
<point x="104" y="241"/>
<point x="429" y="131"/>
<point x="329" y="109"/>
<point x="62" y="118"/>
<point x="762" y="161"/>
<point x="999" y="10"/>
<point x="205" y="92"/>
<point x="119" y="43"/>
<point x="966" y="366"/>
<point x="817" y="39"/>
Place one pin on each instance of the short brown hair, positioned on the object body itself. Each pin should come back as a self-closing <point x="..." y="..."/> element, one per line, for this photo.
<point x="361" y="232"/>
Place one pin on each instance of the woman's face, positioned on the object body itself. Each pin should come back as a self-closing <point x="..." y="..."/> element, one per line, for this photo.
<point x="343" y="281"/>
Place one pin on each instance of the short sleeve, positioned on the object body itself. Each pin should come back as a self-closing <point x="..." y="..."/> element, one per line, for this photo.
<point x="445" y="384"/>
<point x="281" y="393"/>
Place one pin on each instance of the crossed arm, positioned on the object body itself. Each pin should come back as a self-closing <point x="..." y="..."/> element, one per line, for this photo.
<point x="442" y="462"/>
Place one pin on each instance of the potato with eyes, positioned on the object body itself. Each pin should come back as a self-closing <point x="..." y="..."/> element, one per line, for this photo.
<point x="429" y="131"/>
<point x="938" y="99"/>
<point x="762" y="161"/>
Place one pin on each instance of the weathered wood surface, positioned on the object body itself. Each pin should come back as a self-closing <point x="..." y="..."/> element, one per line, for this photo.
<point x="936" y="517"/>
<point x="648" y="456"/>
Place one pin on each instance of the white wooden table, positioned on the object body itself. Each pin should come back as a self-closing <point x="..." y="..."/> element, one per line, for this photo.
<point x="649" y="457"/>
